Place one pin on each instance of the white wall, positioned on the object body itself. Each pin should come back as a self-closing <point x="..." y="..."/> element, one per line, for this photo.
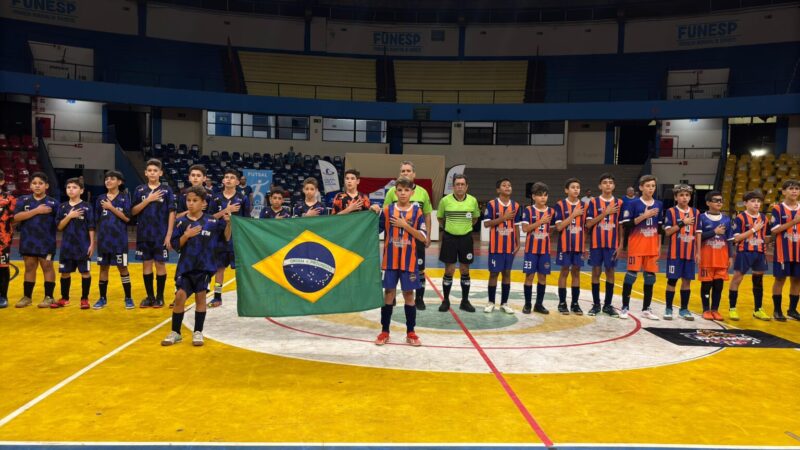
<point x="70" y="155"/>
<point x="697" y="171"/>
<point x="70" y="115"/>
<point x="111" y="16"/>
<point x="379" y="39"/>
<point x="586" y="142"/>
<point x="694" y="133"/>
<point x="181" y="126"/>
<point x="518" y="40"/>
<point x="793" y="141"/>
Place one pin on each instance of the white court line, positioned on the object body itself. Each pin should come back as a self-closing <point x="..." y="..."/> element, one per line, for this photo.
<point x="91" y="366"/>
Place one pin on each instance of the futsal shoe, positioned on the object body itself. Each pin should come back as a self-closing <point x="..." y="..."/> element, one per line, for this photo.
<point x="382" y="338"/>
<point x="686" y="315"/>
<point x="506" y="309"/>
<point x="146" y="302"/>
<point x="667" y="314"/>
<point x="60" y="303"/>
<point x="171" y="339"/>
<point x="610" y="311"/>
<point x="466" y="306"/>
<point x="85" y="303"/>
<point x="23" y="302"/>
<point x="3" y="302"/>
<point x="562" y="308"/>
<point x="707" y="315"/>
<point x="100" y="303"/>
<point x="793" y="314"/>
<point x="526" y="309"/>
<point x="623" y="313"/>
<point x="540" y="309"/>
<point x="129" y="303"/>
<point x="47" y="302"/>
<point x="215" y="303"/>
<point x="760" y="314"/>
<point x="648" y="314"/>
<point x="445" y="306"/>
<point x="594" y="311"/>
<point x="489" y="307"/>
<point x="157" y="303"/>
<point x="576" y="309"/>
<point x="413" y="340"/>
<point x="778" y="315"/>
<point x="716" y="315"/>
<point x="733" y="314"/>
<point x="420" y="304"/>
<point x="197" y="338"/>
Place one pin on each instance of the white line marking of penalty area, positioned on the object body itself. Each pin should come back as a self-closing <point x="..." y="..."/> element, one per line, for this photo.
<point x="91" y="366"/>
<point x="379" y="445"/>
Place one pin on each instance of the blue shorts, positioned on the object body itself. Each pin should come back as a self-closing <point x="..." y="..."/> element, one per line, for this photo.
<point x="71" y="265"/>
<point x="606" y="257"/>
<point x="569" y="259"/>
<point x="500" y="262"/>
<point x="789" y="269"/>
<point x="409" y="281"/>
<point x="193" y="282"/>
<point x="113" y="259"/>
<point x="746" y="261"/>
<point x="151" y="251"/>
<point x="224" y="259"/>
<point x="534" y="263"/>
<point x="680" y="268"/>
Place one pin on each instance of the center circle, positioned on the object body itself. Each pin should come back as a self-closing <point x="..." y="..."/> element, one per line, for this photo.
<point x="309" y="267"/>
<point x="431" y="318"/>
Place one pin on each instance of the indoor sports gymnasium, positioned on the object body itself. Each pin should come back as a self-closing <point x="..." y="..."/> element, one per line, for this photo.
<point x="399" y="224"/>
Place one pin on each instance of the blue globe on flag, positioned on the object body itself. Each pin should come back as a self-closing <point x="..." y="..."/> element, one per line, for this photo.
<point x="309" y="267"/>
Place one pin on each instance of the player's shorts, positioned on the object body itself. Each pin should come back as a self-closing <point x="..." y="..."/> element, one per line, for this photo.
<point x="5" y="257"/>
<point x="456" y="248"/>
<point x="787" y="269"/>
<point x="680" y="268"/>
<point x="224" y="259"/>
<point x="535" y="263"/>
<point x="421" y="256"/>
<point x="71" y="265"/>
<point x="45" y="256"/>
<point x="746" y="261"/>
<point x="409" y="281"/>
<point x="500" y="262"/>
<point x="643" y="264"/>
<point x="151" y="251"/>
<point x="713" y="273"/>
<point x="113" y="259"/>
<point x="569" y="259"/>
<point x="605" y="257"/>
<point x="193" y="282"/>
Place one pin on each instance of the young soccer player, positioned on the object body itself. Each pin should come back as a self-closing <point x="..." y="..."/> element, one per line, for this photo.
<point x="680" y="228"/>
<point x="275" y="210"/>
<point x="570" y="220"/>
<point x="602" y="219"/>
<point x="501" y="217"/>
<point x="76" y="223"/>
<point x="113" y="211"/>
<point x="36" y="215"/>
<point x="749" y="235"/>
<point x="351" y="200"/>
<point x="230" y="201"/>
<point x="309" y="206"/>
<point x="783" y="222"/>
<point x="536" y="221"/>
<point x="404" y="225"/>
<point x="154" y="206"/>
<point x="197" y="177"/>
<point x="8" y="204"/>
<point x="196" y="237"/>
<point x="643" y="216"/>
<point x="713" y="259"/>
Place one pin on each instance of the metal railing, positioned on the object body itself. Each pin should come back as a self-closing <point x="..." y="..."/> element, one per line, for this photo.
<point x="694" y="153"/>
<point x="315" y="91"/>
<point x="97" y="137"/>
<point x="461" y="95"/>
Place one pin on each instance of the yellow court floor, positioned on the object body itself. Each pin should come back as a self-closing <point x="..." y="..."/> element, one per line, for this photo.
<point x="69" y="375"/>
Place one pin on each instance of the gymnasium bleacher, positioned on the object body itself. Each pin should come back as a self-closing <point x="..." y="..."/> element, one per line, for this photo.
<point x="460" y="81"/>
<point x="18" y="159"/>
<point x="766" y="173"/>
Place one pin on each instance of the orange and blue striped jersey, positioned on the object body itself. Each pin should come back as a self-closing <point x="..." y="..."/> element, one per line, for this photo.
<point x="787" y="242"/>
<point x="643" y="239"/>
<point x="605" y="233"/>
<point x="503" y="236"/>
<point x="399" y="247"/>
<point x="743" y="223"/>
<point x="571" y="238"/>
<point x="681" y="243"/>
<point x="714" y="250"/>
<point x="538" y="240"/>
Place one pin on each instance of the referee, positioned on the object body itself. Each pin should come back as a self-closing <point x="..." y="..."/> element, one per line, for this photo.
<point x="459" y="211"/>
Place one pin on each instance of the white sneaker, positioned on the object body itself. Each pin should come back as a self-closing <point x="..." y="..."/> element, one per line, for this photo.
<point x="648" y="314"/>
<point x="623" y="313"/>
<point x="171" y="339"/>
<point x="489" y="308"/>
<point x="197" y="338"/>
<point x="507" y="309"/>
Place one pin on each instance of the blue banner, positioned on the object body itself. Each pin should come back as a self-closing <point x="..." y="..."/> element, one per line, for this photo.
<point x="260" y="181"/>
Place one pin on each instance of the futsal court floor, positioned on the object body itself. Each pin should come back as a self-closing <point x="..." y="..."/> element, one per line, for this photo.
<point x="76" y="379"/>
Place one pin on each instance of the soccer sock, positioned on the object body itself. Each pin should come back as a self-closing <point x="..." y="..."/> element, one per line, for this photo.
<point x="161" y="282"/>
<point x="609" y="293"/>
<point x="148" y="284"/>
<point x="776" y="302"/>
<point x="528" y="289"/>
<point x="705" y="291"/>
<point x="447" y="284"/>
<point x="386" y="317"/>
<point x="217" y="291"/>
<point x="505" y="291"/>
<point x="685" y="294"/>
<point x="492" y="293"/>
<point x="733" y="296"/>
<point x="758" y="291"/>
<point x="86" y="284"/>
<point x="562" y="295"/>
<point x="716" y="294"/>
<point x="647" y="290"/>
<point x="5" y="276"/>
<point x="540" y="288"/>
<point x="65" y="284"/>
<point x="793" y="302"/>
<point x="596" y="294"/>
<point x="411" y="317"/>
<point x="626" y="294"/>
<point x="669" y="297"/>
<point x="576" y="293"/>
<point x="49" y="287"/>
<point x="199" y="320"/>
<point x="177" y="320"/>
<point x="126" y="285"/>
<point x="27" y="288"/>
<point x="102" y="286"/>
<point x="465" y="283"/>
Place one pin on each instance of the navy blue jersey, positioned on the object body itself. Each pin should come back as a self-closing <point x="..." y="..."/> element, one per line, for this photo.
<point x="75" y="236"/>
<point x="268" y="213"/>
<point x="153" y="220"/>
<point x="301" y="208"/>
<point x="198" y="252"/>
<point x="181" y="206"/>
<point x="247" y="190"/>
<point x="112" y="232"/>
<point x="221" y="202"/>
<point x="37" y="235"/>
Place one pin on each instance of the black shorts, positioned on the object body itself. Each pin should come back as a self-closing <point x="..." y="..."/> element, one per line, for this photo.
<point x="421" y="256"/>
<point x="193" y="282"/>
<point x="5" y="257"/>
<point x="456" y="248"/>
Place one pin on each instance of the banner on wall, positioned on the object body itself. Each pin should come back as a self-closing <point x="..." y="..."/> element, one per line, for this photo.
<point x="260" y="181"/>
<point x="111" y="16"/>
<point x="448" y="180"/>
<point x="330" y="177"/>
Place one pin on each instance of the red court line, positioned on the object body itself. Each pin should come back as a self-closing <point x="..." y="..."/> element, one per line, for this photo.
<point x="499" y="375"/>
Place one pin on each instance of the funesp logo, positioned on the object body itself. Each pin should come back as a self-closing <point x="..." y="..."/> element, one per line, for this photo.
<point x="65" y="7"/>
<point x="707" y="32"/>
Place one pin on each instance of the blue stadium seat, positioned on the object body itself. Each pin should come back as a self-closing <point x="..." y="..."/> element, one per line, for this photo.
<point x="225" y="156"/>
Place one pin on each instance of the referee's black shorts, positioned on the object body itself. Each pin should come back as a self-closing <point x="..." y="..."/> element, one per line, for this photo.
<point x="456" y="248"/>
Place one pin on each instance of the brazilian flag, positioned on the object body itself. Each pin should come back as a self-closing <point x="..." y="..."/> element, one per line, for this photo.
<point x="307" y="265"/>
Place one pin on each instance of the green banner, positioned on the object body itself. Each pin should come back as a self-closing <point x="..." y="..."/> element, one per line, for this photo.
<point x="307" y="265"/>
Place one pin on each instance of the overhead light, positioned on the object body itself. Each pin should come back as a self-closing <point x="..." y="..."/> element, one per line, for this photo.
<point x="758" y="152"/>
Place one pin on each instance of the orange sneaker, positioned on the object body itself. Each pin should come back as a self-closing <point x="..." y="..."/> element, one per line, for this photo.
<point x="708" y="315"/>
<point x="382" y="338"/>
<point x="413" y="340"/>
<point x="84" y="303"/>
<point x="716" y="315"/>
<point x="60" y="303"/>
